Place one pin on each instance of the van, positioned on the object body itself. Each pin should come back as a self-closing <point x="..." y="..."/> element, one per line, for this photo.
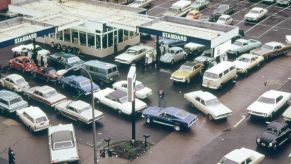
<point x="219" y="74"/>
<point x="101" y="72"/>
<point x="179" y="8"/>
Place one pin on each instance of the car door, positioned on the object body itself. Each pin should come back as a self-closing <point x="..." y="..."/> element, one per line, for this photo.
<point x="283" y="135"/>
<point x="71" y="112"/>
<point x="279" y="102"/>
<point x="164" y="118"/>
<point x="9" y="83"/>
<point x="26" y="119"/>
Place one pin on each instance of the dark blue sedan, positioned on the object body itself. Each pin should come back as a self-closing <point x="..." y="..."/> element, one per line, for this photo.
<point x="170" y="116"/>
<point x="79" y="84"/>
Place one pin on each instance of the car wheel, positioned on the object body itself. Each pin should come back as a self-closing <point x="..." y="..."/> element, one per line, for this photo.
<point x="119" y="111"/>
<point x="97" y="101"/>
<point x="177" y="128"/>
<point x="259" y="64"/>
<point x="30" y="129"/>
<point x="172" y="62"/>
<point x="275" y="147"/>
<point x="53" y="45"/>
<point x="148" y="120"/>
<point x="210" y="117"/>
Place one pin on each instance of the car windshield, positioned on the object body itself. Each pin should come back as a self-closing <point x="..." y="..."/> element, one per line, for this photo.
<point x="254" y="12"/>
<point x="273" y="131"/>
<point x="238" y="43"/>
<point x="41" y="119"/>
<point x="185" y="68"/>
<point x="74" y="59"/>
<point x="212" y="102"/>
<point x="131" y="51"/>
<point x="267" y="47"/>
<point x="139" y="87"/>
<point x="227" y="161"/>
<point x="50" y="93"/>
<point x="62" y="140"/>
<point x="85" y="83"/>
<point x="266" y="100"/>
<point x="86" y="108"/>
<point x="123" y="100"/>
<point x="211" y="75"/>
<point x="171" y="51"/>
<point x="20" y="81"/>
<point x="246" y="60"/>
<point x="15" y="100"/>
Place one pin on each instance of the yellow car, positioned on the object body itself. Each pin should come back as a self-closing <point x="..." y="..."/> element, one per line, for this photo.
<point x="186" y="72"/>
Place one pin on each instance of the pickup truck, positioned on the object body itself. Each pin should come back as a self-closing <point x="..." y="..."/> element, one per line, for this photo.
<point x="271" y="49"/>
<point x="140" y="3"/>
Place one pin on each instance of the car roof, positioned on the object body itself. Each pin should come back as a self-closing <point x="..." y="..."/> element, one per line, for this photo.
<point x="273" y="43"/>
<point x="194" y="11"/>
<point x="242" y="40"/>
<point x="276" y="125"/>
<point x="44" y="89"/>
<point x="100" y="64"/>
<point x="205" y="95"/>
<point x="77" y="78"/>
<point x="65" y="55"/>
<point x="257" y="8"/>
<point x="79" y="104"/>
<point x="224" y="16"/>
<point x="139" y="47"/>
<point x="272" y="94"/>
<point x="117" y="94"/>
<point x="14" y="76"/>
<point x="34" y="112"/>
<point x="60" y="127"/>
<point x="190" y="63"/>
<point x="248" y="55"/>
<point x="8" y="95"/>
<point x="237" y="155"/>
<point x="220" y="67"/>
<point x="175" y="48"/>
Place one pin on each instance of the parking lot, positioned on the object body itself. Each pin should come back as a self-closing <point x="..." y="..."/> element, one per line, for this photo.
<point x="203" y="143"/>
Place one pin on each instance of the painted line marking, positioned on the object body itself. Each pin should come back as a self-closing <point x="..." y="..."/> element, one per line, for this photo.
<point x="240" y="121"/>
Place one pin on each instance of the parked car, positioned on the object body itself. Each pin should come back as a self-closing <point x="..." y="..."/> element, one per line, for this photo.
<point x="24" y="49"/>
<point x="208" y="104"/>
<point x="141" y="91"/>
<point x="170" y="116"/>
<point x="186" y="72"/>
<point x="270" y="49"/>
<point x="283" y="2"/>
<point x="288" y="39"/>
<point x="194" y="48"/>
<point x="173" y="55"/>
<point x="255" y="14"/>
<point x="45" y="95"/>
<point x="49" y="74"/>
<point x="140" y="3"/>
<point x="134" y="54"/>
<point x="206" y="18"/>
<point x="206" y="58"/>
<point x="242" y="156"/>
<point x="222" y="9"/>
<point x="268" y="1"/>
<point x="224" y="19"/>
<point x="193" y="14"/>
<point x="268" y="103"/>
<point x="63" y="60"/>
<point x="117" y="100"/>
<point x="22" y="63"/>
<point x="14" y="82"/>
<point x="79" y="111"/>
<point x="199" y="5"/>
<point x="78" y="84"/>
<point x="11" y="102"/>
<point x="276" y="134"/>
<point x="287" y="115"/>
<point x="179" y="8"/>
<point x="62" y="144"/>
<point x="242" y="46"/>
<point x="246" y="62"/>
<point x="34" y="118"/>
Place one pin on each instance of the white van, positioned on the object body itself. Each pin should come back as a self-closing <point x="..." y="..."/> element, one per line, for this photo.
<point x="219" y="74"/>
<point x="179" y="8"/>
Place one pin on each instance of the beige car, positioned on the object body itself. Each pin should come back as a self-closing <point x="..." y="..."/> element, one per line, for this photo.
<point x="186" y="72"/>
<point x="246" y="62"/>
<point x="14" y="82"/>
<point x="193" y="14"/>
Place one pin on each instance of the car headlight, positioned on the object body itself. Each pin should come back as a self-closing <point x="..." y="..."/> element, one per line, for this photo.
<point x="258" y="140"/>
<point x="270" y="144"/>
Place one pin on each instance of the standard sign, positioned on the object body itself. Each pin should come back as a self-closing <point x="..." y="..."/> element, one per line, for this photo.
<point x="131" y="77"/>
<point x="25" y="38"/>
<point x="174" y="36"/>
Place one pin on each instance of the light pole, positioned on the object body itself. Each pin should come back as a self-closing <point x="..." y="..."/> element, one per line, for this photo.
<point x="61" y="73"/>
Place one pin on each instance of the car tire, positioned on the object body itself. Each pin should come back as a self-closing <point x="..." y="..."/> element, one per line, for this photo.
<point x="69" y="49"/>
<point x="58" y="47"/>
<point x="148" y="120"/>
<point x="177" y="128"/>
<point x="172" y="62"/>
<point x="53" y="44"/>
<point x="275" y="147"/>
<point x="119" y="111"/>
<point x="210" y="117"/>
<point x="30" y="129"/>
<point x="64" y="48"/>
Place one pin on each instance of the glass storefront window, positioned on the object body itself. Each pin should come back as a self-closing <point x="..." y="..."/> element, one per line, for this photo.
<point x="131" y="34"/>
<point x="59" y="35"/>
<point x="75" y="37"/>
<point x="104" y="40"/>
<point x="126" y="35"/>
<point x="110" y="39"/>
<point x="120" y="35"/>
<point x="91" y="40"/>
<point x="98" y="44"/>
<point x="83" y="39"/>
<point x="67" y="35"/>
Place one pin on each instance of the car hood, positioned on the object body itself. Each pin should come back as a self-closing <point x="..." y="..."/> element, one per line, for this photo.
<point x="219" y="109"/>
<point x="260" y="51"/>
<point x="152" y="111"/>
<point x="267" y="137"/>
<point x="180" y="74"/>
<point x="88" y="88"/>
<point x="190" y="119"/>
<point x="19" y="105"/>
<point x="241" y="65"/>
<point x="167" y="57"/>
<point x="64" y="155"/>
<point x="261" y="107"/>
<point x="134" y="4"/>
<point x="88" y="114"/>
<point x="202" y="59"/>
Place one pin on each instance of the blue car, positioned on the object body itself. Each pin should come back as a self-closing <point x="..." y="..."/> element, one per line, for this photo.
<point x="170" y="116"/>
<point x="79" y="84"/>
<point x="64" y="60"/>
<point x="10" y="102"/>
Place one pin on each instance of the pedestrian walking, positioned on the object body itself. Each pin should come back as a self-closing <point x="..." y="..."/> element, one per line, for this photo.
<point x="161" y="95"/>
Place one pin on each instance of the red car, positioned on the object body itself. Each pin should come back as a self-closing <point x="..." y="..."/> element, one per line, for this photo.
<point x="23" y="64"/>
<point x="46" y="73"/>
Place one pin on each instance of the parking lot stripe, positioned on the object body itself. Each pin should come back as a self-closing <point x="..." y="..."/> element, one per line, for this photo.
<point x="240" y="121"/>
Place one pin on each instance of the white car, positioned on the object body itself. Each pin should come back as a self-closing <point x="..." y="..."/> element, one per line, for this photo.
<point x="141" y="91"/>
<point x="34" y="118"/>
<point x="19" y="50"/>
<point x="224" y="19"/>
<point x="288" y="39"/>
<point x="62" y="144"/>
<point x="256" y="14"/>
<point x="173" y="55"/>
<point x="78" y="110"/>
<point x="246" y="62"/>
<point x="242" y="155"/>
<point x="268" y="103"/>
<point x="117" y="100"/>
<point x="287" y="115"/>
<point x="45" y="95"/>
<point x="14" y="82"/>
<point x="134" y="54"/>
<point x="208" y="104"/>
<point x="140" y="3"/>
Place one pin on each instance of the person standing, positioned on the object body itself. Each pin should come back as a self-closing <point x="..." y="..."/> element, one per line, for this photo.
<point x="161" y="95"/>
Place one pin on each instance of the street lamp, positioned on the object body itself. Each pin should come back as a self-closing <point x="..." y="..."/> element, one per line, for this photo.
<point x="61" y="73"/>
